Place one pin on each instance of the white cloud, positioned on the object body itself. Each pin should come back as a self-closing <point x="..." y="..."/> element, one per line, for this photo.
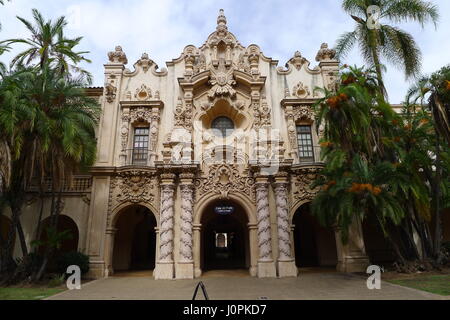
<point x="163" y="28"/>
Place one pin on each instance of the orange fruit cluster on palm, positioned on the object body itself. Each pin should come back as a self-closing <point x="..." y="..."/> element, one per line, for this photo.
<point x="326" y="144"/>
<point x="350" y="79"/>
<point x="334" y="101"/>
<point x="360" y="187"/>
<point x="329" y="184"/>
<point x="448" y="84"/>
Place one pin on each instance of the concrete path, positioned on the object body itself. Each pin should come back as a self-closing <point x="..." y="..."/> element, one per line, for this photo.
<point x="240" y="286"/>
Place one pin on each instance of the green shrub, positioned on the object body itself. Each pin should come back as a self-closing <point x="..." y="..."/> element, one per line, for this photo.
<point x="72" y="258"/>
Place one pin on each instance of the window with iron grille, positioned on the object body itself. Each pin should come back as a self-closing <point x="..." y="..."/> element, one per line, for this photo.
<point x="305" y="143"/>
<point x="140" y="146"/>
<point x="222" y="126"/>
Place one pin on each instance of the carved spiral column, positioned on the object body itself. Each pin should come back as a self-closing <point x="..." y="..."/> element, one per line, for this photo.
<point x="187" y="213"/>
<point x="164" y="268"/>
<point x="154" y="129"/>
<point x="263" y="215"/>
<point x="266" y="265"/>
<point x="184" y="268"/>
<point x="286" y="264"/>
<point x="284" y="241"/>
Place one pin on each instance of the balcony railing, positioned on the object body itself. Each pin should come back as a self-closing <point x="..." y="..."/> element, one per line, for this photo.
<point x="80" y="183"/>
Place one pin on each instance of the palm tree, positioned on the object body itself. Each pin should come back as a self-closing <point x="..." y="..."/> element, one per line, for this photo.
<point x="436" y="90"/>
<point x="386" y="41"/>
<point x="47" y="43"/>
<point x="52" y="135"/>
<point x="375" y="162"/>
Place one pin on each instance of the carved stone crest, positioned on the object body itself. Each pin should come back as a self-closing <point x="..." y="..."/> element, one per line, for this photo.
<point x="224" y="179"/>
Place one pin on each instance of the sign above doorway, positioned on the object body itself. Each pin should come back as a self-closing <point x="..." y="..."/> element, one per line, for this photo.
<point x="224" y="209"/>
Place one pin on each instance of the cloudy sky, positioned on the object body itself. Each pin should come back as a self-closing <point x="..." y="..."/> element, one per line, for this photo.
<point x="162" y="28"/>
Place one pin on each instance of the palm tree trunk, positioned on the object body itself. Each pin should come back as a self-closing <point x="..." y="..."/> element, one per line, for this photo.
<point x="376" y="61"/>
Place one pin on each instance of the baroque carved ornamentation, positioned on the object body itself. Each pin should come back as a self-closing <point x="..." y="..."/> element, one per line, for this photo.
<point x="297" y="60"/>
<point x="325" y="53"/>
<point x="135" y="186"/>
<point x="263" y="215"/>
<point x="284" y="241"/>
<point x="222" y="82"/>
<point x="294" y="114"/>
<point x="166" y="222"/>
<point x="225" y="179"/>
<point x="300" y="90"/>
<point x="145" y="62"/>
<point x="110" y="92"/>
<point x="118" y="56"/>
<point x="301" y="184"/>
<point x="143" y="93"/>
<point x="187" y="213"/>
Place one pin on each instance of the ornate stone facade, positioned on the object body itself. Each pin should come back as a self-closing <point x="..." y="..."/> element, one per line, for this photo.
<point x="211" y="137"/>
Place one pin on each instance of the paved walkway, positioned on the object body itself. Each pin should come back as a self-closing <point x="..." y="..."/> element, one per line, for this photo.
<point x="240" y="286"/>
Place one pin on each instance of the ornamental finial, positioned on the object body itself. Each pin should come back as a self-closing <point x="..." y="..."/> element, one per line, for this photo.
<point x="221" y="21"/>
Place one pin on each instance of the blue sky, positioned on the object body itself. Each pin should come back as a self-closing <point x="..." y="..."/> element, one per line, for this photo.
<point x="162" y="28"/>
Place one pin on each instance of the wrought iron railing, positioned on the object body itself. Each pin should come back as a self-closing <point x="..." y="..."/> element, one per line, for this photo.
<point x="79" y="183"/>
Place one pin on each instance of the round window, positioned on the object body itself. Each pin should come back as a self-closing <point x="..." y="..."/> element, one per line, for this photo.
<point x="222" y="126"/>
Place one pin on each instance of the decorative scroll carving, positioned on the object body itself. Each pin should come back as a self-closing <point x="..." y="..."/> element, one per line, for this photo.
<point x="110" y="92"/>
<point x="145" y="62"/>
<point x="222" y="82"/>
<point x="166" y="222"/>
<point x="224" y="179"/>
<point x="135" y="186"/>
<point x="143" y="93"/>
<point x="294" y="114"/>
<point x="263" y="215"/>
<point x="118" y="56"/>
<point x="264" y="113"/>
<point x="302" y="181"/>
<point x="325" y="53"/>
<point x="187" y="213"/>
<point x="284" y="241"/>
<point x="297" y="60"/>
<point x="300" y="90"/>
<point x="140" y="114"/>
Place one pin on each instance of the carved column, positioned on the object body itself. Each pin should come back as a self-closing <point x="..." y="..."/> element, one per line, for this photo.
<point x="185" y="267"/>
<point x="286" y="263"/>
<point x="352" y="255"/>
<point x="109" y="249"/>
<point x="164" y="267"/>
<point x="154" y="129"/>
<point x="266" y="265"/>
<point x="197" y="254"/>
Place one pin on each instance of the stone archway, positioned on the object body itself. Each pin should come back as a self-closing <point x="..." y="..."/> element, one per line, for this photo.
<point x="134" y="245"/>
<point x="239" y="229"/>
<point x="314" y="245"/>
<point x="65" y="224"/>
<point x="226" y="221"/>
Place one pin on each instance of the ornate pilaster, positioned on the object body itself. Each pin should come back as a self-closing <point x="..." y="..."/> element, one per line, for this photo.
<point x="185" y="266"/>
<point x="286" y="264"/>
<point x="164" y="268"/>
<point x="266" y="265"/>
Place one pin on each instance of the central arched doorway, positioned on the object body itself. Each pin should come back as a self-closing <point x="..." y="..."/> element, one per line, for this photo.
<point x="135" y="240"/>
<point x="315" y="245"/>
<point x="225" y="237"/>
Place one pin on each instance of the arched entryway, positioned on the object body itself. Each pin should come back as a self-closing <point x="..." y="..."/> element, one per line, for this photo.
<point x="65" y="224"/>
<point x="314" y="245"/>
<point x="135" y="240"/>
<point x="224" y="237"/>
